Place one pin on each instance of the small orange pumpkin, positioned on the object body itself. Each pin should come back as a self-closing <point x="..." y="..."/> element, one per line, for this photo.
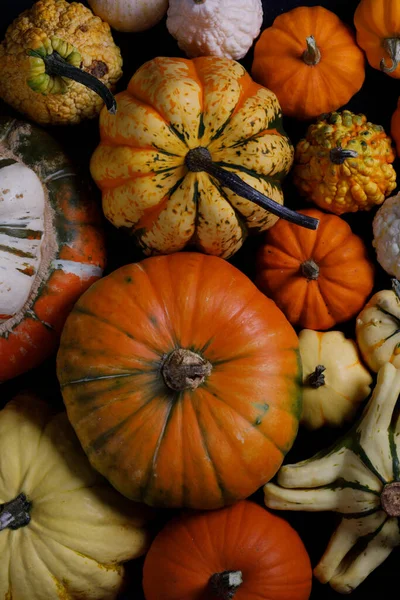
<point x="317" y="278"/>
<point x="310" y="60"/>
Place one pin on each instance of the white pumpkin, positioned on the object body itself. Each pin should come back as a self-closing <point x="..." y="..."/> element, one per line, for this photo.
<point x="130" y="15"/>
<point x="225" y="28"/>
<point x="386" y="230"/>
<point x="64" y="531"/>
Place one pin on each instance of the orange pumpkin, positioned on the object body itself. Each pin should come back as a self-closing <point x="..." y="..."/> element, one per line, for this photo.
<point x="181" y="380"/>
<point x="310" y="60"/>
<point x="317" y="278"/>
<point x="242" y="551"/>
<point x="395" y="127"/>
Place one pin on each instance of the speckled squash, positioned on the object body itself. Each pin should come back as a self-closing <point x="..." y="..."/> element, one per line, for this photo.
<point x="172" y="108"/>
<point x="51" y="244"/>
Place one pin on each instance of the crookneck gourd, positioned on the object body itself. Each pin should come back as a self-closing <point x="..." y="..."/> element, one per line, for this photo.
<point x="51" y="244"/>
<point x="64" y="531"/>
<point x="344" y="163"/>
<point x="359" y="478"/>
<point x="182" y="381"/>
<point x="57" y="63"/>
<point x="194" y="156"/>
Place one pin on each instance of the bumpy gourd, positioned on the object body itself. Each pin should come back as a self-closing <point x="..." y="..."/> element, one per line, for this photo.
<point x="344" y="163"/>
<point x="359" y="478"/>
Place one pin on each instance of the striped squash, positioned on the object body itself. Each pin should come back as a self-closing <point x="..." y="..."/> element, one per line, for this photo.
<point x="182" y="381"/>
<point x="359" y="478"/>
<point x="51" y="246"/>
<point x="178" y="126"/>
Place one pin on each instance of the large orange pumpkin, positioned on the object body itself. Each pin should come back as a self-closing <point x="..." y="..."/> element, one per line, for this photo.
<point x="242" y="552"/>
<point x="181" y="380"/>
<point x="317" y="278"/>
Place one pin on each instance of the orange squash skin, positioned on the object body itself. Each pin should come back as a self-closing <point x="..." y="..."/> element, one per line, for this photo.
<point x="346" y="275"/>
<point x="305" y="91"/>
<point x="201" y="448"/>
<point x="245" y="537"/>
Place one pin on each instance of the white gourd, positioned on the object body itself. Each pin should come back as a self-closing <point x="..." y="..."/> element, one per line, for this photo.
<point x="130" y="15"/>
<point x="225" y="28"/>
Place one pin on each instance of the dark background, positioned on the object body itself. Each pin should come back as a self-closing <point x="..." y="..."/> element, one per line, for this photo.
<point x="377" y="99"/>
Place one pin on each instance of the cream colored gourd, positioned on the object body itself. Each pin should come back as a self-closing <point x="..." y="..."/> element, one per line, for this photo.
<point x="386" y="230"/>
<point x="335" y="382"/>
<point x="378" y="329"/>
<point x="359" y="477"/>
<point x="130" y="15"/>
<point x="64" y="531"/>
<point x="225" y="28"/>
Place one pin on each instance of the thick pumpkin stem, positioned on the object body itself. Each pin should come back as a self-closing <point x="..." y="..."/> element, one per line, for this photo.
<point x="199" y="159"/>
<point x="392" y="47"/>
<point x="225" y="585"/>
<point x="185" y="370"/>
<point x="15" y="514"/>
<point x="317" y="378"/>
<point x="390" y="499"/>
<point x="339" y="155"/>
<point x="310" y="269"/>
<point x="312" y="55"/>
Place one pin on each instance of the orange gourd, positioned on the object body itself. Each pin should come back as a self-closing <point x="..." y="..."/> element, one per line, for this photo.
<point x="310" y="60"/>
<point x="242" y="552"/>
<point x="181" y="380"/>
<point x="317" y="278"/>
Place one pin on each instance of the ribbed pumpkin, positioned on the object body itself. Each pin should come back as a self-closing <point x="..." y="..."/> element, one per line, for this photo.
<point x="317" y="278"/>
<point x="181" y="380"/>
<point x="310" y="59"/>
<point x="159" y="163"/>
<point x="51" y="245"/>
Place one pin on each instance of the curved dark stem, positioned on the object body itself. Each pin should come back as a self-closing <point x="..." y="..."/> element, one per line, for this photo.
<point x="392" y="47"/>
<point x="199" y="159"/>
<point x="338" y="155"/>
<point x="16" y="513"/>
<point x="57" y="66"/>
<point x="317" y="377"/>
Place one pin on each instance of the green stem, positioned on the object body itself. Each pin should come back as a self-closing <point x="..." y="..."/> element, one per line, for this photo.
<point x="199" y="159"/>
<point x="16" y="513"/>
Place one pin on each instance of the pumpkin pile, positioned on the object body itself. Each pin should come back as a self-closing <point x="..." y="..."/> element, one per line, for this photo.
<point x="199" y="290"/>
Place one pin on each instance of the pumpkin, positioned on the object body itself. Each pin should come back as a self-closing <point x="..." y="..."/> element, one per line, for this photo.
<point x="344" y="163"/>
<point x="378" y="329"/>
<point x="317" y="278"/>
<point x="310" y="59"/>
<point x="335" y="382"/>
<point x="51" y="244"/>
<point x="378" y="26"/>
<point x="385" y="226"/>
<point x="159" y="163"/>
<point x="64" y="530"/>
<point x="395" y="127"/>
<point x="359" y="477"/>
<point x="215" y="27"/>
<point x="240" y="552"/>
<point x="57" y="63"/>
<point x="130" y="15"/>
<point x="182" y="381"/>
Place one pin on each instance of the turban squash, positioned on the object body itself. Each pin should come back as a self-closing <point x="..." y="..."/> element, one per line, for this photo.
<point x="189" y="140"/>
<point x="182" y="381"/>
<point x="51" y="245"/>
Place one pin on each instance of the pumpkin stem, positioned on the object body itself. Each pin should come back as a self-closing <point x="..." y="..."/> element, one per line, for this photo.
<point x="312" y="55"/>
<point x="317" y="378"/>
<point x="310" y="269"/>
<point x="390" y="499"/>
<point x="339" y="155"/>
<point x="57" y="66"/>
<point x="225" y="585"/>
<point x="392" y="47"/>
<point x="183" y="369"/>
<point x="199" y="159"/>
<point x="16" y="513"/>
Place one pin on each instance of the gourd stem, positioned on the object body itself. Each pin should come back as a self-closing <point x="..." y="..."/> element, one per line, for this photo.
<point x="390" y="499"/>
<point x="310" y="269"/>
<point x="392" y="47"/>
<point x="183" y="369"/>
<point x="57" y="66"/>
<point x="199" y="159"/>
<point x="312" y="55"/>
<point x="317" y="378"/>
<point x="396" y="287"/>
<point x="225" y="585"/>
<point x="16" y="513"/>
<point x="339" y="155"/>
